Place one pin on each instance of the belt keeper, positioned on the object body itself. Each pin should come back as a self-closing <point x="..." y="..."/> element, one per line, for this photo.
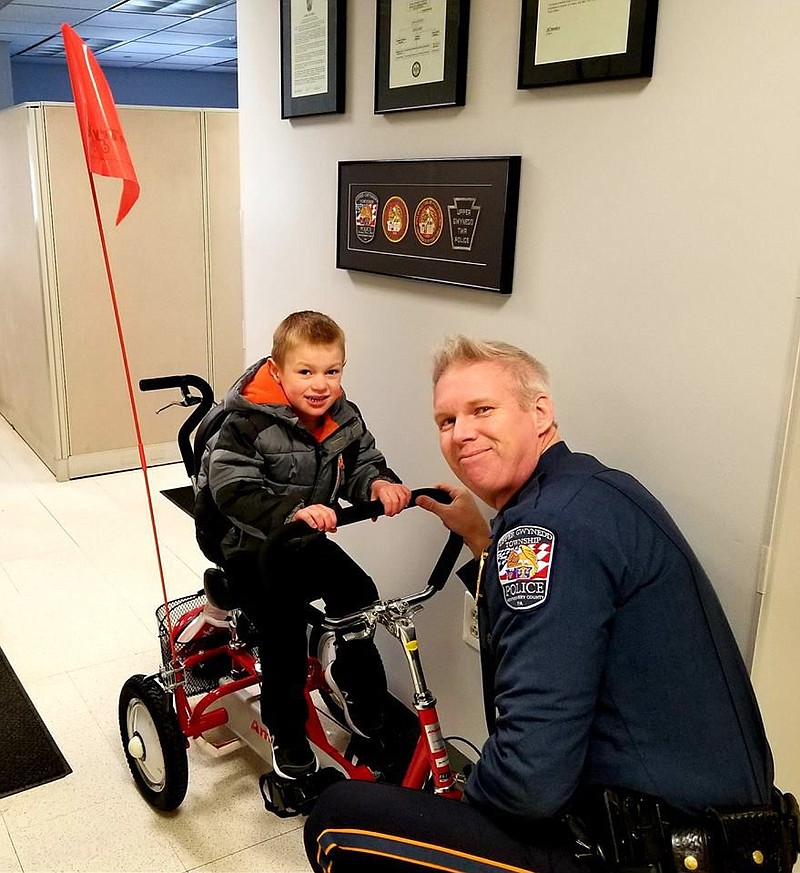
<point x="748" y="840"/>
<point x="786" y="805"/>
<point x="690" y="849"/>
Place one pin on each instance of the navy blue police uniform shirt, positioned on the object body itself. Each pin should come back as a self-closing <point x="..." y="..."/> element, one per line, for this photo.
<point x="606" y="655"/>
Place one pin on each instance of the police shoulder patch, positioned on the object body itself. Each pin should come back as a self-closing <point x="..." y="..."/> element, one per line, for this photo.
<point x="524" y="558"/>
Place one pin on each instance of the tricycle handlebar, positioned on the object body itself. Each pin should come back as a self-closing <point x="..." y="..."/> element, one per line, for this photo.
<point x="352" y="514"/>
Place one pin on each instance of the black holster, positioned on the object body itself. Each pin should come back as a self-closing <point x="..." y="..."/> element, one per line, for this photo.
<point x="637" y="833"/>
<point x="626" y="831"/>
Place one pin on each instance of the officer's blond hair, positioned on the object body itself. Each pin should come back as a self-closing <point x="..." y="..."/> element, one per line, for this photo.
<point x="530" y="377"/>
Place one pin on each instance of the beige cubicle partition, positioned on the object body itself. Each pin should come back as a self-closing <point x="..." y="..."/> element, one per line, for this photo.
<point x="27" y="395"/>
<point x="177" y="272"/>
<point x="225" y="321"/>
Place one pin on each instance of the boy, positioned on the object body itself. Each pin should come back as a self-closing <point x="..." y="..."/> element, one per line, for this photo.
<point x="290" y="445"/>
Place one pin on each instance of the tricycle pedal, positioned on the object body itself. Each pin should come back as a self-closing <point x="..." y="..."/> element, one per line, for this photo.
<point x="289" y="797"/>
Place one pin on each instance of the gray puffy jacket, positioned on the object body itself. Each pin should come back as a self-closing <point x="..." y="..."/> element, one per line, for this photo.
<point x="263" y="465"/>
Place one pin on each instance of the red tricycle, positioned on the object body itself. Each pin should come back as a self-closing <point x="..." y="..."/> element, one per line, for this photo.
<point x="213" y="682"/>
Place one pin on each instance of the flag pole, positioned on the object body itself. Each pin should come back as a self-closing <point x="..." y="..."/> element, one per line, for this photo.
<point x="132" y="399"/>
<point x="106" y="152"/>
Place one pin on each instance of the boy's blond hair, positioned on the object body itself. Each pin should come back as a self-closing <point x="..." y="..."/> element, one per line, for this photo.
<point x="307" y="326"/>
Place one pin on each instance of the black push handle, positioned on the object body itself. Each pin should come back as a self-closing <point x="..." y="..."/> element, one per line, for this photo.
<point x="187" y="380"/>
<point x="184" y="382"/>
<point x="374" y="509"/>
<point x="160" y="382"/>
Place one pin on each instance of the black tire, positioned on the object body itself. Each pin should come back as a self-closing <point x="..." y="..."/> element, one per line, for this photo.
<point x="321" y="646"/>
<point x="153" y="743"/>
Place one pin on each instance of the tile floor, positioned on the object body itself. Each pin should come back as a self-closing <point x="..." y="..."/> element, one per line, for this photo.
<point x="78" y="588"/>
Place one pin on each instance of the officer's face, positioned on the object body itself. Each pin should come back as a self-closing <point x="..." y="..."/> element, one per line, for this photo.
<point x="489" y="441"/>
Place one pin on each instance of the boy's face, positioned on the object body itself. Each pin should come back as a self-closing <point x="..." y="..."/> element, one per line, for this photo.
<point x="311" y="377"/>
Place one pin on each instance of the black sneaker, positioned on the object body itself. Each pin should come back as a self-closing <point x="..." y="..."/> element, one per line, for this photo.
<point x="361" y="717"/>
<point x="295" y="761"/>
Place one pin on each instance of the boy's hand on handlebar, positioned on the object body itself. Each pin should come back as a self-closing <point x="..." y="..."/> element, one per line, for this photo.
<point x="317" y="516"/>
<point x="462" y="516"/>
<point x="393" y="496"/>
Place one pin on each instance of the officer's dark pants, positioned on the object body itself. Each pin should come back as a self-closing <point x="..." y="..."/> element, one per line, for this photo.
<point x="368" y="827"/>
<point x="276" y="590"/>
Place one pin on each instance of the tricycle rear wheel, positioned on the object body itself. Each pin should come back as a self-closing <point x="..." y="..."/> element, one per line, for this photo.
<point x="154" y="745"/>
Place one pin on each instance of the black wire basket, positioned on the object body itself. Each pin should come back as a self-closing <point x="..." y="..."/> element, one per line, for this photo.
<point x="204" y="676"/>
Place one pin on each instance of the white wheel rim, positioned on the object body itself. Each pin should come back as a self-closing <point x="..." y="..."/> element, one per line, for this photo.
<point x="326" y="651"/>
<point x="151" y="763"/>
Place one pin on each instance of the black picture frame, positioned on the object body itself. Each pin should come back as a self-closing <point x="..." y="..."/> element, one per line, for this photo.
<point x="450" y="91"/>
<point x="331" y="100"/>
<point x="635" y="61"/>
<point x="446" y="220"/>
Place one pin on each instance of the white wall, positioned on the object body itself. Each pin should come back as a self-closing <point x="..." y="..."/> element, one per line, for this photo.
<point x="776" y="661"/>
<point x="656" y="272"/>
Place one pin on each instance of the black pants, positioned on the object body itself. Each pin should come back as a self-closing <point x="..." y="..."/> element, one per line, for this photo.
<point x="366" y="827"/>
<point x="276" y="589"/>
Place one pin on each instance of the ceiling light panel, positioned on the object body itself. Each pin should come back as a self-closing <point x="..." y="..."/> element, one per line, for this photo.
<point x="187" y="8"/>
<point x="54" y="48"/>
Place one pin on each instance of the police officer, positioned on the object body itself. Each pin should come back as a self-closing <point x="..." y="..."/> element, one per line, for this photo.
<point x="618" y="705"/>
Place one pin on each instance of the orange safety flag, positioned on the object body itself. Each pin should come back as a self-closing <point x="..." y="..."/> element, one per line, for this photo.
<point x="103" y="141"/>
<point x="107" y="154"/>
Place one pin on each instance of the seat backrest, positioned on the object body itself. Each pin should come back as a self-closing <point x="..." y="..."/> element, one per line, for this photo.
<point x="210" y="524"/>
<point x="210" y="424"/>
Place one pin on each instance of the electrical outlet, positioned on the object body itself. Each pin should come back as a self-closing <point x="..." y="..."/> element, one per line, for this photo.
<point x="469" y="632"/>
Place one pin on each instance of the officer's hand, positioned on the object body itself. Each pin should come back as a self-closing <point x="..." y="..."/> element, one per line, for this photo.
<point x="462" y="516"/>
<point x="317" y="516"/>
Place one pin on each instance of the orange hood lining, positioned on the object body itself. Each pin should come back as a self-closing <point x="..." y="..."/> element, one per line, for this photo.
<point x="263" y="389"/>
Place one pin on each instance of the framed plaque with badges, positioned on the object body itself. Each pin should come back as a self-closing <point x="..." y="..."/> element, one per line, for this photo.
<point x="447" y="220"/>
<point x="420" y="54"/>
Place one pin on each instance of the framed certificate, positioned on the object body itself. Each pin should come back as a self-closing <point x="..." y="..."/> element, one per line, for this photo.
<point x="420" y="54"/>
<point x="313" y="35"/>
<point x="567" y="41"/>
<point x="446" y="220"/>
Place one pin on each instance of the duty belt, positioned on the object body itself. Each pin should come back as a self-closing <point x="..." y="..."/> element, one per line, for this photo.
<point x="635" y="833"/>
